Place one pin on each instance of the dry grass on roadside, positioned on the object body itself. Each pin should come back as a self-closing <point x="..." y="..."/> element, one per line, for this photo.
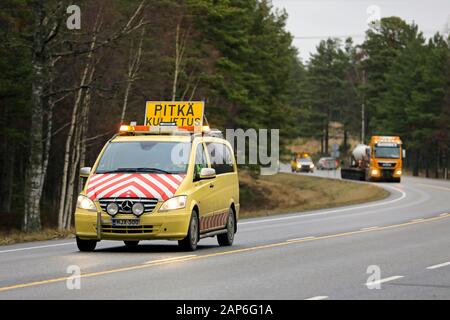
<point x="284" y="193"/>
<point x="15" y="236"/>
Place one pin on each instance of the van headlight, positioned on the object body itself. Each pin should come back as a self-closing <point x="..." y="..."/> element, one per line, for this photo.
<point x="174" y="204"/>
<point x="85" y="203"/>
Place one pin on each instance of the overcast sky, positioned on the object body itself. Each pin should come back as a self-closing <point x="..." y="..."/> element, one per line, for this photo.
<point x="310" y="21"/>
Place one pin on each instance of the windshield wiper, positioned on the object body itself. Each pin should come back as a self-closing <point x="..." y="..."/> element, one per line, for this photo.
<point x="134" y="170"/>
<point x="152" y="170"/>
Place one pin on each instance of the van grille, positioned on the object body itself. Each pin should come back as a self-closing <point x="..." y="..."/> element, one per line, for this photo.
<point x="129" y="229"/>
<point x="125" y="204"/>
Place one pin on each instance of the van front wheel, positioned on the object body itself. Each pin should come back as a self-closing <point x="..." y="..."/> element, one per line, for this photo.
<point x="226" y="239"/>
<point x="190" y="242"/>
<point x="86" y="245"/>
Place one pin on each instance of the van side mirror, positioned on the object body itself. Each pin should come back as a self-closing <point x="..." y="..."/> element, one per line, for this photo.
<point x="85" y="172"/>
<point x="404" y="153"/>
<point x="207" y="173"/>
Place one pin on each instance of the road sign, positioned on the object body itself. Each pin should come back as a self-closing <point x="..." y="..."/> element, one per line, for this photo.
<point x="179" y="113"/>
<point x="335" y="147"/>
<point x="335" y="151"/>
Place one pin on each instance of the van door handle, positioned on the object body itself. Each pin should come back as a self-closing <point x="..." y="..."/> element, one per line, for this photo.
<point x="211" y="185"/>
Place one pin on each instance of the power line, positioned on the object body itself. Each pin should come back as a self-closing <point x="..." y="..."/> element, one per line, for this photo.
<point x="425" y="32"/>
<point x="330" y="36"/>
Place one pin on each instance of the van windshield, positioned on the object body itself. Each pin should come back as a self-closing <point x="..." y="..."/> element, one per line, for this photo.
<point x="145" y="157"/>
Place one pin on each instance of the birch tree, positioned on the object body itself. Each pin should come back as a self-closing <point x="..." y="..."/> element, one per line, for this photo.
<point x="134" y="66"/>
<point x="180" y="48"/>
<point x="73" y="151"/>
<point x="46" y="26"/>
<point x="65" y="189"/>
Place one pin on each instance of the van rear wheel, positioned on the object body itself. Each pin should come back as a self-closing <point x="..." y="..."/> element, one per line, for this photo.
<point x="226" y="239"/>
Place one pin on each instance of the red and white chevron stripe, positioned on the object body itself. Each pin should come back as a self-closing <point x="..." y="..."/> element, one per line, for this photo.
<point x="126" y="185"/>
<point x="214" y="221"/>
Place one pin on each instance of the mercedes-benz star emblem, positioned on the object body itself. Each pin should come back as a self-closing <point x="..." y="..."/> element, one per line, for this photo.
<point x="126" y="206"/>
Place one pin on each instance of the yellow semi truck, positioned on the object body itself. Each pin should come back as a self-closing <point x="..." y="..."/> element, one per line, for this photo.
<point x="381" y="160"/>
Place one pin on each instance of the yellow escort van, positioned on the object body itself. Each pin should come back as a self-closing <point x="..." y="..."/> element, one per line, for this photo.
<point x="160" y="183"/>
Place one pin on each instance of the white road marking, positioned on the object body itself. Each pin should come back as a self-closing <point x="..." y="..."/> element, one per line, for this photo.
<point x="304" y="215"/>
<point x="374" y="283"/>
<point x="417" y="220"/>
<point x="443" y="214"/>
<point x="170" y="259"/>
<point x="38" y="247"/>
<point x="317" y="298"/>
<point x="445" y="264"/>
<point x="369" y="228"/>
<point x="434" y="187"/>
<point x="301" y="239"/>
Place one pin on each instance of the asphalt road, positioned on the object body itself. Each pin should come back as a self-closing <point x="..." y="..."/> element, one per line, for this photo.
<point x="400" y="246"/>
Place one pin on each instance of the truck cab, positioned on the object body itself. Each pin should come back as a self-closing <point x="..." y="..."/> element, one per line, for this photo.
<point x="386" y="159"/>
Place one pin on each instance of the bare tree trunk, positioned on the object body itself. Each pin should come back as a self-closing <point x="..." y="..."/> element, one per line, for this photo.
<point x="327" y="133"/>
<point x="78" y="153"/>
<point x="46" y="28"/>
<point x="73" y="173"/>
<point x="10" y="178"/>
<point x="33" y="178"/>
<point x="49" y="120"/>
<point x="132" y="74"/>
<point x="180" y="47"/>
<point x="78" y="102"/>
<point x="79" y="159"/>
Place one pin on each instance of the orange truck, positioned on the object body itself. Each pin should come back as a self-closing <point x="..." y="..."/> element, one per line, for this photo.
<point x="381" y="160"/>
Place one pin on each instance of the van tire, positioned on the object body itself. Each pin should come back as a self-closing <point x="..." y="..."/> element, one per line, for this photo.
<point x="226" y="239"/>
<point x="190" y="242"/>
<point x="86" y="245"/>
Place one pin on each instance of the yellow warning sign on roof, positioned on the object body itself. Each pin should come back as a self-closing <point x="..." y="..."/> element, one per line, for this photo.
<point x="178" y="113"/>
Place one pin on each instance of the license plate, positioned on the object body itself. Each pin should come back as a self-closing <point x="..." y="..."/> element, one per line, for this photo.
<point x="125" y="222"/>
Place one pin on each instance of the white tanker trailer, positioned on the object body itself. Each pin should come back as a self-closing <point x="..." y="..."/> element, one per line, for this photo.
<point x="381" y="160"/>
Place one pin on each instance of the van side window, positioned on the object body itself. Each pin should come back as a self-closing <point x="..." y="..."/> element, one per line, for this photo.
<point x="221" y="158"/>
<point x="200" y="160"/>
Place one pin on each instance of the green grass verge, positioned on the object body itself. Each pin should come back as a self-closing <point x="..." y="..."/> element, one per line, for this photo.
<point x="286" y="193"/>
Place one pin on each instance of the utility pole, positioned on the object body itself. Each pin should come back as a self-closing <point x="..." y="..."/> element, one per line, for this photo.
<point x="363" y="111"/>
<point x="363" y="122"/>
